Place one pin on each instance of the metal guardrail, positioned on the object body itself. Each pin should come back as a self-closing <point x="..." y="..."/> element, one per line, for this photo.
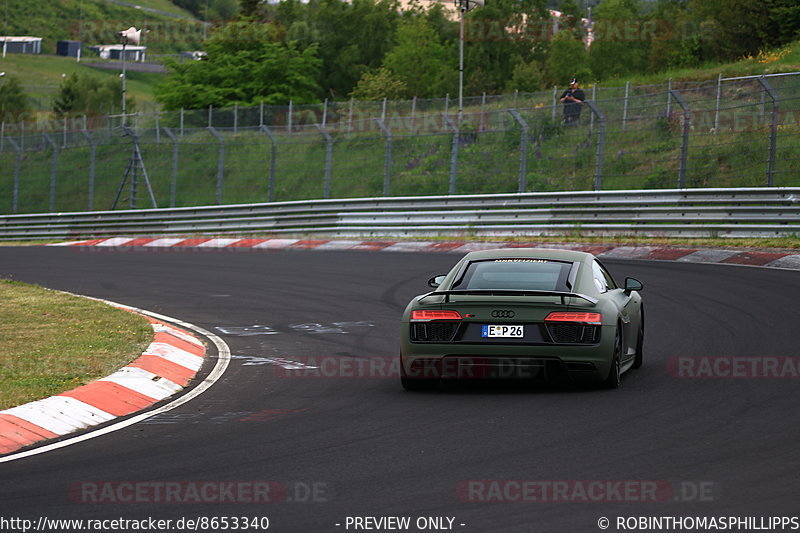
<point x="742" y="212"/>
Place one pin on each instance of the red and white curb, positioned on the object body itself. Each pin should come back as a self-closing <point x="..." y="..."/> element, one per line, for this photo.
<point x="776" y="259"/>
<point x="165" y="368"/>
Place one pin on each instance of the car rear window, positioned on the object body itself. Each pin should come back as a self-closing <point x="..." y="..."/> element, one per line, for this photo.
<point x="515" y="274"/>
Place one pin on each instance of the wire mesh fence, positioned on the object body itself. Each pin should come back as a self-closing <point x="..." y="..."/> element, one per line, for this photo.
<point x="721" y="133"/>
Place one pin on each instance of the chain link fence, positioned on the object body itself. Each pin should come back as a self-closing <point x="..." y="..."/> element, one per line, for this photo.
<point x="721" y="133"/>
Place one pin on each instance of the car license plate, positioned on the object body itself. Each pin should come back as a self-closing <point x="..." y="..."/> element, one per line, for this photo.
<point x="503" y="331"/>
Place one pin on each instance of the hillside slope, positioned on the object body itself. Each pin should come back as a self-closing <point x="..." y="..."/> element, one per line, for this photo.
<point x="97" y="21"/>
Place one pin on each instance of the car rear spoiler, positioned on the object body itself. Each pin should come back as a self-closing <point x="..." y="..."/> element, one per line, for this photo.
<point x="509" y="292"/>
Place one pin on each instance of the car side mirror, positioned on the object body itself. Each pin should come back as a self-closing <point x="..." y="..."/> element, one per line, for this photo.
<point x="633" y="284"/>
<point x="435" y="281"/>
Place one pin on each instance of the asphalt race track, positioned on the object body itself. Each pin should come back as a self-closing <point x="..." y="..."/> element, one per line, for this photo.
<point x="333" y="445"/>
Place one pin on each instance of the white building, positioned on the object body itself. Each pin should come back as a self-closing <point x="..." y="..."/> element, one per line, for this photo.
<point x="21" y="45"/>
<point x="114" y="51"/>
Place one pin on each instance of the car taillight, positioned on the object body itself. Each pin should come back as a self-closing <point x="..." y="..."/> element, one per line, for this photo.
<point x="583" y="318"/>
<point x="430" y="314"/>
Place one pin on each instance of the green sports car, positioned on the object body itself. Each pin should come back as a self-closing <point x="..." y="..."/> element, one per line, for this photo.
<point x="523" y="313"/>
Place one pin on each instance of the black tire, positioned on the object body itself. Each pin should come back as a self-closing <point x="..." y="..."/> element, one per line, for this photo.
<point x="416" y="384"/>
<point x="614" y="377"/>
<point x="411" y="384"/>
<point x="639" y="357"/>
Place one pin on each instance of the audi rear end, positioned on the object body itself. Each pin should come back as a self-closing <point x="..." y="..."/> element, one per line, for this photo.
<point x="522" y="314"/>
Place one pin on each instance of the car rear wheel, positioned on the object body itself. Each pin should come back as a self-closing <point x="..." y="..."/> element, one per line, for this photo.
<point x="638" y="359"/>
<point x="614" y="377"/>
<point x="411" y="384"/>
<point x="416" y="384"/>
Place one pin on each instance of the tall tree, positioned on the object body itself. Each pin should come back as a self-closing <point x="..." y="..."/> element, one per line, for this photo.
<point x="420" y="61"/>
<point x="784" y="21"/>
<point x="249" y="8"/>
<point x="527" y="77"/>
<point x="352" y="38"/>
<point x="672" y="43"/>
<point x="379" y="84"/>
<point x="84" y="94"/>
<point x="620" y="46"/>
<point x="571" y="18"/>
<point x="568" y="58"/>
<point x="243" y="66"/>
<point x="13" y="101"/>
<point x="730" y="29"/>
<point x="501" y="35"/>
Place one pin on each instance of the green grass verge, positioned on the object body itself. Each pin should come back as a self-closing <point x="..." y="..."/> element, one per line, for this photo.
<point x="645" y="157"/>
<point x="786" y="59"/>
<point x="163" y="5"/>
<point x="41" y="76"/>
<point x="51" y="341"/>
<point x="95" y="21"/>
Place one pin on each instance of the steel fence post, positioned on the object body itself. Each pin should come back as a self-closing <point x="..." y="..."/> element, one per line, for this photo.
<point x="763" y="106"/>
<point x="235" y="117"/>
<point x="181" y="123"/>
<point x="591" y="118"/>
<point x="453" y="154"/>
<point x="483" y="112"/>
<point x="328" y="160"/>
<point x="325" y="113"/>
<point x="272" y="155"/>
<point x="17" y="163"/>
<point x="387" y="158"/>
<point x="53" y="168"/>
<point x="173" y="186"/>
<point x="625" y="106"/>
<point x="687" y="124"/>
<point x="555" y="100"/>
<point x="669" y="96"/>
<point x="158" y="130"/>
<point x="773" y="130"/>
<point x="92" y="151"/>
<point x="523" y="148"/>
<point x="717" y="105"/>
<point x="601" y="141"/>
<point x="413" y="113"/>
<point x="289" y="119"/>
<point x="350" y="117"/>
<point x="209" y="116"/>
<point x="220" y="163"/>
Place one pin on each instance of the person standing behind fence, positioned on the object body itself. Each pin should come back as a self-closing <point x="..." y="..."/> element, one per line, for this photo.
<point x="573" y="99"/>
